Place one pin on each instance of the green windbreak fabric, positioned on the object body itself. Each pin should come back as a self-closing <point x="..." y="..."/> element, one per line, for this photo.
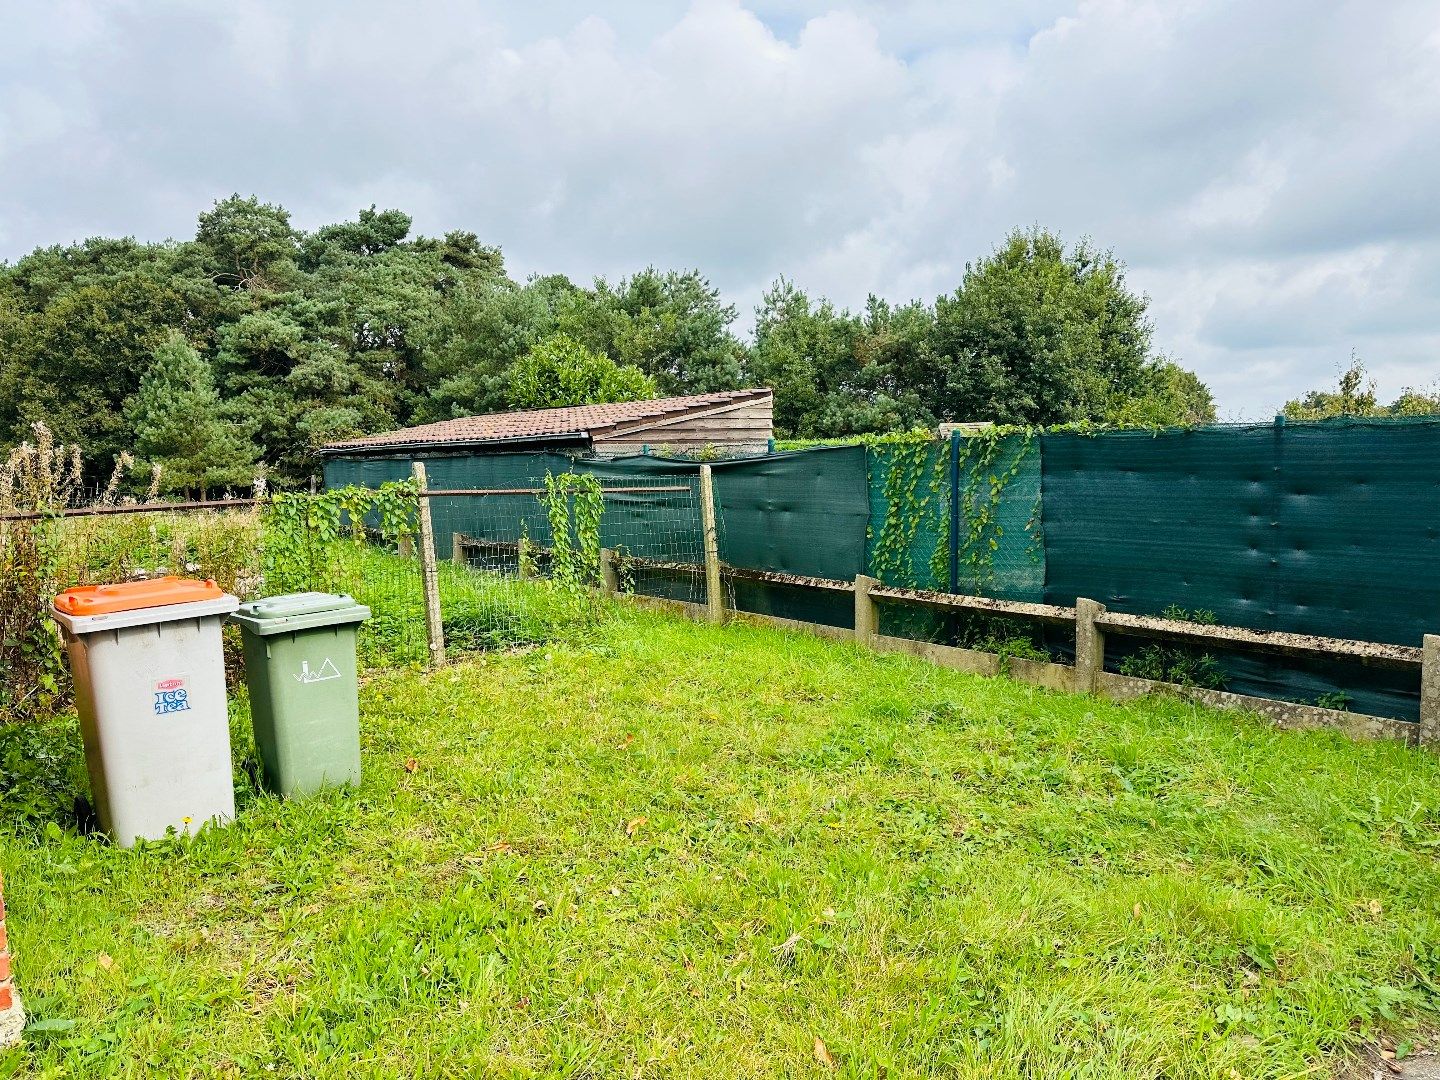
<point x="909" y="493"/>
<point x="999" y="550"/>
<point x="802" y="512"/>
<point x="464" y="515"/>
<point x="1325" y="528"/>
<point x="1003" y="553"/>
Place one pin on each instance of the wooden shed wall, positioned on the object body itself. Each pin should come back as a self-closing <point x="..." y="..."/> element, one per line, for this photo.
<point x="747" y="428"/>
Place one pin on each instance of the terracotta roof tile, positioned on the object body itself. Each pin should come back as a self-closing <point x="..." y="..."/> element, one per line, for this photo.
<point x="596" y="421"/>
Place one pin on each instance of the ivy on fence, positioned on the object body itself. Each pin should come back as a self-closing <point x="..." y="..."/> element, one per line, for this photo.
<point x="989" y="461"/>
<point x="299" y="531"/>
<point x="574" y="504"/>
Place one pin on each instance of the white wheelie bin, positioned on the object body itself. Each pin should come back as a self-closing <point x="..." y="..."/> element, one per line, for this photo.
<point x="150" y="690"/>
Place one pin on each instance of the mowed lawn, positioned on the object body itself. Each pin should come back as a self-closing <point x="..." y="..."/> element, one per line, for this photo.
<point x="677" y="850"/>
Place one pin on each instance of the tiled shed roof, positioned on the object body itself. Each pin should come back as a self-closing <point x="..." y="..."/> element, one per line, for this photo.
<point x="535" y="425"/>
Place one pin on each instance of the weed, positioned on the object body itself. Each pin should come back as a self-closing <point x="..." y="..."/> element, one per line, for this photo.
<point x="1181" y="665"/>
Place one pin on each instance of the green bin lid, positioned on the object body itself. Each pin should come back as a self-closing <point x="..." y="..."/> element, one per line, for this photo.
<point x="292" y="604"/>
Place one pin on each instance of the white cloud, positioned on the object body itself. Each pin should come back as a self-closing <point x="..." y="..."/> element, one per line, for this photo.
<point x="1268" y="170"/>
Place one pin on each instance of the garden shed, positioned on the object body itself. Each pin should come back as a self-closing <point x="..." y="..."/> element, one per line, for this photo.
<point x="732" y="422"/>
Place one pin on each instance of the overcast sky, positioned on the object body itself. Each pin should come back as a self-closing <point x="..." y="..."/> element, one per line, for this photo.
<point x="1270" y="171"/>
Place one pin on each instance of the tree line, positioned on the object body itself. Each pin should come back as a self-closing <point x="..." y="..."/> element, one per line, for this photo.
<point x="256" y="343"/>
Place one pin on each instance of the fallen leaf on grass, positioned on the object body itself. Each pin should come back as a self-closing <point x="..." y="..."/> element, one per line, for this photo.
<point x="823" y="1055"/>
<point x="633" y="825"/>
<point x="500" y="846"/>
<point x="105" y="961"/>
<point x="411" y="764"/>
<point x="1136" y="911"/>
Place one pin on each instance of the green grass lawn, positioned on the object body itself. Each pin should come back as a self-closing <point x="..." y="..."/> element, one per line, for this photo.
<point x="676" y="850"/>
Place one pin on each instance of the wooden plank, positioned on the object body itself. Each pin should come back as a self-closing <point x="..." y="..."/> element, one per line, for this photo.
<point x="429" y="572"/>
<point x="1271" y="641"/>
<point x="136" y="508"/>
<point x="467" y="492"/>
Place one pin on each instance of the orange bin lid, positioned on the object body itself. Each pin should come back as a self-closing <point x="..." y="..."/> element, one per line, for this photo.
<point x="132" y="595"/>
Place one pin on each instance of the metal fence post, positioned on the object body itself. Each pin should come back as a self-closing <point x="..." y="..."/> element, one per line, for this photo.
<point x="429" y="571"/>
<point x="865" y="623"/>
<point x="955" y="437"/>
<point x="1430" y="691"/>
<point x="714" y="588"/>
<point x="1089" y="646"/>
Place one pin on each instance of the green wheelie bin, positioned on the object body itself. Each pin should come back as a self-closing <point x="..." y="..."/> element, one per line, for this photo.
<point x="304" y="696"/>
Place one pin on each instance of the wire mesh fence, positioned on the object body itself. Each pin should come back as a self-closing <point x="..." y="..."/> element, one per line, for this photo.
<point x="518" y="566"/>
<point x="641" y="535"/>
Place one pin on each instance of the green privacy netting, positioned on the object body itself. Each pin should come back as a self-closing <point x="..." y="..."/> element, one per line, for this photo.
<point x="802" y="512"/>
<point x="997" y="550"/>
<point x="1326" y="528"/>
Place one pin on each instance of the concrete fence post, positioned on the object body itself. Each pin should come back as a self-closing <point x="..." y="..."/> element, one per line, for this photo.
<point x="457" y="548"/>
<point x="1430" y="692"/>
<point x="865" y="621"/>
<point x="1089" y="646"/>
<point x="12" y="1016"/>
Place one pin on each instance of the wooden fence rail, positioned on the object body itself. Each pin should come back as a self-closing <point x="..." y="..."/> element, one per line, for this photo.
<point x="133" y="508"/>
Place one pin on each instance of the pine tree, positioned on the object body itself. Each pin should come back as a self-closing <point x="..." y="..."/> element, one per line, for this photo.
<point x="179" y="425"/>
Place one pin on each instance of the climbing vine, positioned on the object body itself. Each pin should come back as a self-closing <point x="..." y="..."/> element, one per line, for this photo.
<point x="917" y="504"/>
<point x="574" y="504"/>
<point x="989" y="460"/>
<point x="914" y="493"/>
<point x="299" y="531"/>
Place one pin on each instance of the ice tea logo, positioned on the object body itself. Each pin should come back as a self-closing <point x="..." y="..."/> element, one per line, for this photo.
<point x="171" y="697"/>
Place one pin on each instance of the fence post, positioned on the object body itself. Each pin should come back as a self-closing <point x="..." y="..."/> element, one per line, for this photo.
<point x="12" y="1016"/>
<point x="429" y="571"/>
<point x="1430" y="692"/>
<point x="864" y="609"/>
<point x="714" y="590"/>
<point x="609" y="572"/>
<point x="1089" y="646"/>
<point x="955" y="438"/>
<point x="457" y="548"/>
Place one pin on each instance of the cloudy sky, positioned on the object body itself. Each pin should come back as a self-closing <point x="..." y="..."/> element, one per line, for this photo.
<point x="1270" y="171"/>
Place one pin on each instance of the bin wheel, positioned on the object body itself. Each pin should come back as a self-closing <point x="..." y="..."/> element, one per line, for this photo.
<point x="86" y="820"/>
